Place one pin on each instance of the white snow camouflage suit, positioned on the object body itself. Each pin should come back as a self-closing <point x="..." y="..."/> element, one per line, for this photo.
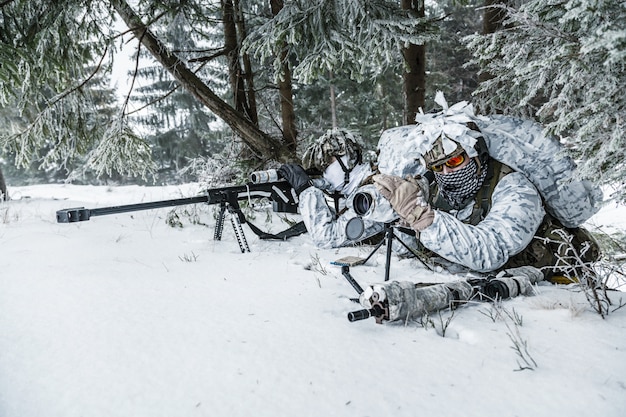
<point x="466" y="238"/>
<point x="515" y="210"/>
<point x="515" y="215"/>
<point x="327" y="230"/>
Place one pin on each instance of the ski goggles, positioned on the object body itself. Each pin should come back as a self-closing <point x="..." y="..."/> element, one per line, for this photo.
<point x="453" y="162"/>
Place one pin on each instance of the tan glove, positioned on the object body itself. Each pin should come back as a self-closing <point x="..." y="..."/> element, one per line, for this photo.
<point x="407" y="198"/>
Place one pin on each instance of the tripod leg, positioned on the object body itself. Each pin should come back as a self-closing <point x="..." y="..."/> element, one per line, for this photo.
<point x="389" y="239"/>
<point x="414" y="252"/>
<point x="375" y="249"/>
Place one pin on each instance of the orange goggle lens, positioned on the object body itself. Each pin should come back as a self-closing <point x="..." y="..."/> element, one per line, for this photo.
<point x="453" y="162"/>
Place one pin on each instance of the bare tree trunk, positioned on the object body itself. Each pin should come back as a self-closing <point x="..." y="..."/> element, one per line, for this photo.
<point x="285" y="91"/>
<point x="248" y="74"/>
<point x="381" y="93"/>
<point x="261" y="143"/>
<point x="493" y="15"/>
<point x="414" y="75"/>
<point x="235" y="73"/>
<point x="333" y="101"/>
<point x="3" y="187"/>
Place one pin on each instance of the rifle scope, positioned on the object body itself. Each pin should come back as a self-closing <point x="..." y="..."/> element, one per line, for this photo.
<point x="260" y="177"/>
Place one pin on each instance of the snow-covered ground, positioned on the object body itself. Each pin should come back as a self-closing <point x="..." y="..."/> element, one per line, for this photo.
<point x="124" y="316"/>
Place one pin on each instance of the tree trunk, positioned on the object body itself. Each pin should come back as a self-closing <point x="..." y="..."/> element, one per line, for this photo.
<point x="261" y="143"/>
<point x="414" y="75"/>
<point x="236" y="74"/>
<point x="493" y="15"/>
<point x="285" y="91"/>
<point x="3" y="187"/>
<point x="248" y="74"/>
<point x="333" y="101"/>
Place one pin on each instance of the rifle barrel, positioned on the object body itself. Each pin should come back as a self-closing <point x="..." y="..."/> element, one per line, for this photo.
<point x="79" y="214"/>
<point x="376" y="311"/>
<point x="280" y="192"/>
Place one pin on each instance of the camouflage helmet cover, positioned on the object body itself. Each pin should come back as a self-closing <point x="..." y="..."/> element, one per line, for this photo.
<point x="448" y="133"/>
<point x="437" y="155"/>
<point x="334" y="143"/>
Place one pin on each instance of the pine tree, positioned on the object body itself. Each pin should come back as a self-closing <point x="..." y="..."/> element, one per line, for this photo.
<point x="368" y="107"/>
<point x="51" y="53"/>
<point x="178" y="127"/>
<point x="360" y="41"/>
<point x="565" y="64"/>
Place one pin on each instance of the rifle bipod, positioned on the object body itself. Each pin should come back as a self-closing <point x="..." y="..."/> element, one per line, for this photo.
<point x="389" y="236"/>
<point x="235" y="221"/>
<point x="379" y="310"/>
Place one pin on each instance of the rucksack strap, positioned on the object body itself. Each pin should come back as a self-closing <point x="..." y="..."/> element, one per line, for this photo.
<point x="295" y="230"/>
<point x="495" y="172"/>
<point x="345" y="169"/>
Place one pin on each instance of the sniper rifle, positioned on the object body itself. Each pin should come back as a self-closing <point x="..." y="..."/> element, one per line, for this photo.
<point x="283" y="196"/>
<point x="425" y="298"/>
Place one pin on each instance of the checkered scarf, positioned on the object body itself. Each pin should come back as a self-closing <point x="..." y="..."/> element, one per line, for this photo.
<point x="459" y="187"/>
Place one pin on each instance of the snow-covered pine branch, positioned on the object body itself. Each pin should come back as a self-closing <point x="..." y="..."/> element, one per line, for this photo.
<point x="328" y="35"/>
<point x="563" y="63"/>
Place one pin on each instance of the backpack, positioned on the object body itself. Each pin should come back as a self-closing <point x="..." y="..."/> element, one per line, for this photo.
<point x="522" y="145"/>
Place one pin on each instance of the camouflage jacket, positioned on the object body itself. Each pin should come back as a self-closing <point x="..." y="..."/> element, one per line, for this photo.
<point x="326" y="228"/>
<point x="508" y="228"/>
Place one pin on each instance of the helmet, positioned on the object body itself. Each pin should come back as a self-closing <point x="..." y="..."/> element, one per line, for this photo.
<point x="449" y="133"/>
<point x="438" y="154"/>
<point x="445" y="147"/>
<point x="334" y="143"/>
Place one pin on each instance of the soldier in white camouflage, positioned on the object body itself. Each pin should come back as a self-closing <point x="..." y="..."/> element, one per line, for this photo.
<point x="338" y="155"/>
<point x="479" y="214"/>
<point x="482" y="214"/>
<point x="455" y="224"/>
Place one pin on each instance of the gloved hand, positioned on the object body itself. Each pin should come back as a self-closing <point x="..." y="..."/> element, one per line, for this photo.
<point x="407" y="198"/>
<point x="295" y="176"/>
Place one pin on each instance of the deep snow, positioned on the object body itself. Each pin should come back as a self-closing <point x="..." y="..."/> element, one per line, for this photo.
<point x="125" y="316"/>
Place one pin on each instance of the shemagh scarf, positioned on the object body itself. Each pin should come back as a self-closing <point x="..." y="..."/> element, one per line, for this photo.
<point x="459" y="187"/>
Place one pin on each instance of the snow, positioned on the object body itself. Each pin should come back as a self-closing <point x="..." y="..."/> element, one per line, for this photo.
<point x="125" y="316"/>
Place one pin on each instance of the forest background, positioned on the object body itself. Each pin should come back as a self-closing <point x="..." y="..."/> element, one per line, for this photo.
<point x="217" y="89"/>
